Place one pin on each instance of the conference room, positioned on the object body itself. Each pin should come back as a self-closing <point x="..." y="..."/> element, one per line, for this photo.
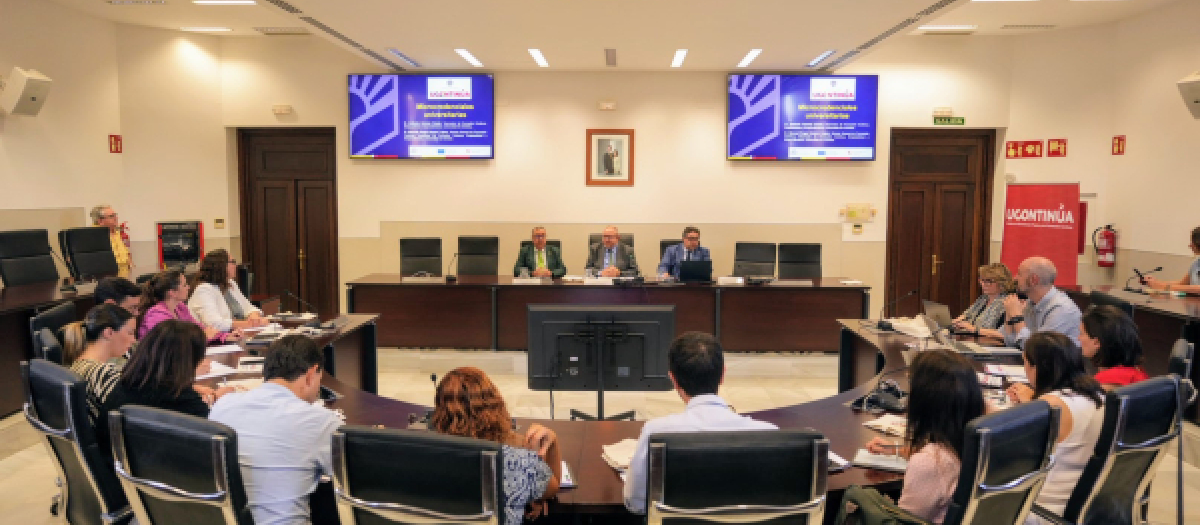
<point x="782" y="176"/>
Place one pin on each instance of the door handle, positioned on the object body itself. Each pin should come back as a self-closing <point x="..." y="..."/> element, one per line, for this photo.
<point x="936" y="262"/>
<point x="302" y="257"/>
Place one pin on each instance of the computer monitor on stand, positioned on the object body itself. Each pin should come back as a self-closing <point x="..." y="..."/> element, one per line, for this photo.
<point x="600" y="347"/>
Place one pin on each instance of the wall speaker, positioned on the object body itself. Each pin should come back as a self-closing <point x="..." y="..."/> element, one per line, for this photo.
<point x="1189" y="88"/>
<point x="24" y="92"/>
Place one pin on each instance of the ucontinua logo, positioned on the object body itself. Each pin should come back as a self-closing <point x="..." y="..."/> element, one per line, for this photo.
<point x="824" y="89"/>
<point x="448" y="88"/>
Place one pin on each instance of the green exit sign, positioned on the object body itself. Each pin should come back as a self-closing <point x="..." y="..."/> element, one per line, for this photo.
<point x="949" y="121"/>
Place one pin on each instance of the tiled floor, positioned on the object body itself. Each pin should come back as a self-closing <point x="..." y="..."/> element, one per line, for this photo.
<point x="753" y="382"/>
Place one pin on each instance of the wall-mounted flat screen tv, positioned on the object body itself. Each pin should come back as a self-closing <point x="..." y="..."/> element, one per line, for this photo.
<point x="802" y="117"/>
<point x="446" y="116"/>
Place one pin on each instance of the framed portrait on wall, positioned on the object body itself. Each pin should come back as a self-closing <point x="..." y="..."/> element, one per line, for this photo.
<point x="610" y="157"/>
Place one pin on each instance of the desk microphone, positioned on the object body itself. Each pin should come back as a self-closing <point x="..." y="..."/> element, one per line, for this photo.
<point x="308" y="307"/>
<point x="1141" y="277"/>
<point x="67" y="286"/>
<point x="450" y="277"/>
<point x="883" y="323"/>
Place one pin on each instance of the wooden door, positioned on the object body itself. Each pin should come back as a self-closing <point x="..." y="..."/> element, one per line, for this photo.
<point x="938" y="217"/>
<point x="289" y="215"/>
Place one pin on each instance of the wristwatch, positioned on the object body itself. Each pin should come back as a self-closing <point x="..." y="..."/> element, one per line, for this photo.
<point x="1016" y="319"/>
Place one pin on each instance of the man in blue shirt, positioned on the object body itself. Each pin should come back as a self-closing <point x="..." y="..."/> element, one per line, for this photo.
<point x="1048" y="309"/>
<point x="688" y="250"/>
<point x="284" y="441"/>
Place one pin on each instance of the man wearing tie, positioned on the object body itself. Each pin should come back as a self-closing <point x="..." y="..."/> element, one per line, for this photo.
<point x="688" y="250"/>
<point x="611" y="258"/>
<point x="539" y="259"/>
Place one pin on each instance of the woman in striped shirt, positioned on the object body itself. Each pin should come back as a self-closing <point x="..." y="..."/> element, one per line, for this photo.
<point x="105" y="333"/>
<point x="987" y="313"/>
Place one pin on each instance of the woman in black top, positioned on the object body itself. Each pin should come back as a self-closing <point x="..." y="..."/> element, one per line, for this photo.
<point x="161" y="372"/>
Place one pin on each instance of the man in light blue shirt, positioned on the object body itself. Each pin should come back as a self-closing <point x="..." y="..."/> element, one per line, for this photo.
<point x="696" y="366"/>
<point x="1048" y="309"/>
<point x="284" y="441"/>
<point x="688" y="250"/>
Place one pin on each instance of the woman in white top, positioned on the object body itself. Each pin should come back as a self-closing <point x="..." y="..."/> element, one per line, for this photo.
<point x="216" y="301"/>
<point x="1055" y="366"/>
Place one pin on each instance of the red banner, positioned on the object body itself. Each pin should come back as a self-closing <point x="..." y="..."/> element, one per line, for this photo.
<point x="1042" y="220"/>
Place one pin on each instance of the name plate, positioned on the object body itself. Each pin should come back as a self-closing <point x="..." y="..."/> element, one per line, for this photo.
<point x="606" y="281"/>
<point x="730" y="281"/>
<point x="792" y="282"/>
<point x="529" y="280"/>
<point x="423" y="280"/>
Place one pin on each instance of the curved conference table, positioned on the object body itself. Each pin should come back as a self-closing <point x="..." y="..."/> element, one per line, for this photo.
<point x="866" y="355"/>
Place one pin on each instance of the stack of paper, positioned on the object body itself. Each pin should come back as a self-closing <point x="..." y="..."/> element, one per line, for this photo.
<point x="618" y="455"/>
<point x="1015" y="373"/>
<point x="890" y="424"/>
<point x="880" y="461"/>
<point x="223" y="349"/>
<point x="217" y="370"/>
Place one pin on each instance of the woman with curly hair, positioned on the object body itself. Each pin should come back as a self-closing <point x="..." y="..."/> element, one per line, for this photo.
<point x="468" y="404"/>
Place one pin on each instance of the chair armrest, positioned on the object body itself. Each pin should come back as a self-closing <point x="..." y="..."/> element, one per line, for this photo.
<point x="1045" y="514"/>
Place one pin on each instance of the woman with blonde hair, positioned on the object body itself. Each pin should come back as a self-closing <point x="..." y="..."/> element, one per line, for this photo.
<point x="986" y="315"/>
<point x="468" y="404"/>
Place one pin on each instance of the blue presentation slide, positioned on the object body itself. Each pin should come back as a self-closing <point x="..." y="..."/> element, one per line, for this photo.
<point x="800" y="117"/>
<point x="422" y="116"/>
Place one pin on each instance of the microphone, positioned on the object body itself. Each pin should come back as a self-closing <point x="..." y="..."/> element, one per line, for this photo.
<point x="450" y="277"/>
<point x="883" y="323"/>
<point x="67" y="286"/>
<point x="1141" y="277"/>
<point x="308" y="306"/>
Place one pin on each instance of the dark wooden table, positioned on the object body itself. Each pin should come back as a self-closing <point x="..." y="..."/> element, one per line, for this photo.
<point x="19" y="304"/>
<point x="490" y="311"/>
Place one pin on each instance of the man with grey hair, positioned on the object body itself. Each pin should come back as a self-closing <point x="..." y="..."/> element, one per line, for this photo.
<point x="612" y="258"/>
<point x="103" y="215"/>
<point x="538" y="258"/>
<point x="1046" y="310"/>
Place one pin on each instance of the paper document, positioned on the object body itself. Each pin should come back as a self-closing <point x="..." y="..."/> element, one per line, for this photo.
<point x="837" y="462"/>
<point x="618" y="455"/>
<point x="217" y="370"/>
<point x="880" y="461"/>
<point x="850" y="281"/>
<point x="567" y="481"/>
<point x="1005" y="370"/>
<point x="891" y="424"/>
<point x="245" y="384"/>
<point x="223" y="349"/>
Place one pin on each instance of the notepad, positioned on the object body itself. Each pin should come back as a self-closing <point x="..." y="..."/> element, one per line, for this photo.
<point x="890" y="424"/>
<point x="217" y="370"/>
<point x="880" y="461"/>
<point x="836" y="462"/>
<point x="1012" y="371"/>
<point x="223" y="349"/>
<point x="620" y="454"/>
<point x="567" y="481"/>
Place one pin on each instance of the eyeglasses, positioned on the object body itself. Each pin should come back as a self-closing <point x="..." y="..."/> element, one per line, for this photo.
<point x="109" y="216"/>
<point x="987" y="281"/>
<point x="692" y="238"/>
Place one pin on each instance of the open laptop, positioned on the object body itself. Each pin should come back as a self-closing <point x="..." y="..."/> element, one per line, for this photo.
<point x="940" y="314"/>
<point x="964" y="347"/>
<point x="695" y="272"/>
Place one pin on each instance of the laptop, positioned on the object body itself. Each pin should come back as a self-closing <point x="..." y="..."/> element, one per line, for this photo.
<point x="965" y="347"/>
<point x="695" y="272"/>
<point x="940" y="314"/>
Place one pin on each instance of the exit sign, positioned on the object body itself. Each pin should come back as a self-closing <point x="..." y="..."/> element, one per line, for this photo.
<point x="949" y="121"/>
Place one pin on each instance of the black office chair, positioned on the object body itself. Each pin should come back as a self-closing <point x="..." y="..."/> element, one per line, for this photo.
<point x="1140" y="420"/>
<point x="597" y="238"/>
<point x="177" y="468"/>
<point x="421" y="254"/>
<point x="399" y="476"/>
<point x="799" y="261"/>
<point x="754" y="259"/>
<point x="549" y="242"/>
<point x="478" y="255"/>
<point x="1006" y="458"/>
<point x="56" y="406"/>
<point x="737" y="477"/>
<point x="54" y="319"/>
<point x="88" y="252"/>
<point x="664" y="244"/>
<point x="1101" y="298"/>
<point x="1180" y="364"/>
<point x="47" y="346"/>
<point x="25" y="258"/>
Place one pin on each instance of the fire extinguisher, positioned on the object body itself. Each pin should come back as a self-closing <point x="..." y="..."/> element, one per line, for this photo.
<point x="1104" y="239"/>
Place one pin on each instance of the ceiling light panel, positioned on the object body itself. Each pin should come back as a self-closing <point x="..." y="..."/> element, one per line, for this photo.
<point x="753" y="54"/>
<point x="466" y="55"/>
<point x="680" y="54"/>
<point x="538" y="57"/>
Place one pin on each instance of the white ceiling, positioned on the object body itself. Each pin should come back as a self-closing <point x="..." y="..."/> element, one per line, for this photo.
<point x="573" y="34"/>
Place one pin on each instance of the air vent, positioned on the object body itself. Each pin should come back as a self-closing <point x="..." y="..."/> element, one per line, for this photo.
<point x="610" y="57"/>
<point x="1028" y="27"/>
<point x="905" y="24"/>
<point x="948" y="33"/>
<point x="331" y="32"/>
<point x="285" y="6"/>
<point x="382" y="59"/>
<point x="279" y="31"/>
<point x="137" y="2"/>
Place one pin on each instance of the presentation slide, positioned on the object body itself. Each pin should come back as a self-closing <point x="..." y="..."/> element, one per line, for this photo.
<point x="801" y="117"/>
<point x="422" y="116"/>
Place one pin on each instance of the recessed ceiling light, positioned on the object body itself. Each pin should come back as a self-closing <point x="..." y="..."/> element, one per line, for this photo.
<point x="537" y="57"/>
<point x="680" y="54"/>
<point x="951" y="27"/>
<point x="224" y="2"/>
<point x="403" y="57"/>
<point x="466" y="55"/>
<point x="753" y="54"/>
<point x="137" y="2"/>
<point x="821" y="58"/>
<point x="205" y="29"/>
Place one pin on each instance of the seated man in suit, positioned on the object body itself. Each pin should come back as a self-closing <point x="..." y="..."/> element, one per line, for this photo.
<point x="688" y="250"/>
<point x="610" y="258"/>
<point x="539" y="259"/>
<point x="696" y="366"/>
